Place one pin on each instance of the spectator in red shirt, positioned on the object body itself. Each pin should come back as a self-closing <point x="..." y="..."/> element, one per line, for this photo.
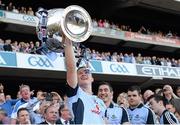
<point x="100" y="23"/>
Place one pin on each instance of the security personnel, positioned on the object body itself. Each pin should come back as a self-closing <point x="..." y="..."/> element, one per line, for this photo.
<point x="138" y="112"/>
<point x="114" y="113"/>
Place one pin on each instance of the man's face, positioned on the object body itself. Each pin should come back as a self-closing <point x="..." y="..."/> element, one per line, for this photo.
<point x="44" y="104"/>
<point x="171" y="108"/>
<point x="56" y="99"/>
<point x="134" y="98"/>
<point x="51" y="114"/>
<point x="8" y="97"/>
<point x="154" y="105"/>
<point x="66" y="114"/>
<point x="121" y="100"/>
<point x="167" y="93"/>
<point x="25" y="93"/>
<point x="23" y="117"/>
<point x="40" y="95"/>
<point x="84" y="76"/>
<point x="1" y="116"/>
<point x="2" y="97"/>
<point x="104" y="93"/>
<point x="178" y="92"/>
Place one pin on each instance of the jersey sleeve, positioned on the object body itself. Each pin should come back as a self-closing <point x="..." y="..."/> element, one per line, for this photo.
<point x="71" y="91"/>
<point x="151" y="117"/>
<point x="170" y="118"/>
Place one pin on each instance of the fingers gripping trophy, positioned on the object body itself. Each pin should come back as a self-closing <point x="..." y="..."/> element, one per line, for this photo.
<point x="73" y="22"/>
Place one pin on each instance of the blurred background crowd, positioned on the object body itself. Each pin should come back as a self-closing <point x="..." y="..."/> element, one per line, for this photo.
<point x="32" y="47"/>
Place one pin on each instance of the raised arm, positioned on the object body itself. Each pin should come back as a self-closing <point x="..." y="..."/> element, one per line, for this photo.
<point x="70" y="63"/>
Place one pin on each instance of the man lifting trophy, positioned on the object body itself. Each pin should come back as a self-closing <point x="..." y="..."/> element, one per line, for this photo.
<point x="60" y="29"/>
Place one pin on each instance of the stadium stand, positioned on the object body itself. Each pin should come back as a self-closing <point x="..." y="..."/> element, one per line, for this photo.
<point x="147" y="51"/>
<point x="124" y="49"/>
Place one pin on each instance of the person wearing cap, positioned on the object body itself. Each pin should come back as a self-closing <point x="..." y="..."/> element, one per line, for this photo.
<point x="85" y="107"/>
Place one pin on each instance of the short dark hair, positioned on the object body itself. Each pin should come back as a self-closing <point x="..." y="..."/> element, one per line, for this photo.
<point x="61" y="108"/>
<point x="22" y="109"/>
<point x="178" y="88"/>
<point x="87" y="70"/>
<point x="108" y="84"/>
<point x="81" y="68"/>
<point x="157" y="98"/>
<point x="135" y="88"/>
<point x="176" y="103"/>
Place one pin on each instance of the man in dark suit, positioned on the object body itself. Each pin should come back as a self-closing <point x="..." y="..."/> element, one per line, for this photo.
<point x="65" y="115"/>
<point x="50" y="115"/>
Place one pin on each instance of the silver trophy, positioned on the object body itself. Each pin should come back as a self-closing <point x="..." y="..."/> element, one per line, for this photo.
<point x="74" y="22"/>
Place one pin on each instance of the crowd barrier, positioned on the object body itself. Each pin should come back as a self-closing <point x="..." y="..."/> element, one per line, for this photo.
<point x="43" y="62"/>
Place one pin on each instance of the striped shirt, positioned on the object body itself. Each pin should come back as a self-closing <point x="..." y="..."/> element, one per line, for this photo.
<point x="168" y="118"/>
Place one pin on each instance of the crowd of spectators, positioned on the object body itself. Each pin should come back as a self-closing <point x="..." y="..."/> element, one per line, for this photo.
<point x="141" y="30"/>
<point x="170" y="97"/>
<point x="92" y="54"/>
<point x="11" y="7"/>
<point x="104" y="23"/>
<point x="24" y="47"/>
<point x="37" y="103"/>
<point x="31" y="47"/>
<point x="40" y="107"/>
